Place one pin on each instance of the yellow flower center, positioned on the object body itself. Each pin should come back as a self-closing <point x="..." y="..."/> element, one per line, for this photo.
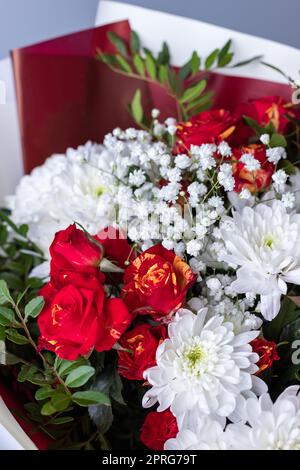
<point x="193" y="356"/>
<point x="269" y="241"/>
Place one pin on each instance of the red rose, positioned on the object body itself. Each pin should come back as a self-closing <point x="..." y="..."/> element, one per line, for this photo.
<point x="89" y="280"/>
<point x="116" y="246"/>
<point x="268" y="109"/>
<point x="77" y="319"/>
<point x="267" y="351"/>
<point x="158" y="428"/>
<point x="257" y="180"/>
<point x="143" y="341"/>
<point x="207" y="127"/>
<point x="72" y="250"/>
<point x="156" y="283"/>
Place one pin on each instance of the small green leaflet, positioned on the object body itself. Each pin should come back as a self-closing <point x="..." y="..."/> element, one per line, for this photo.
<point x="79" y="376"/>
<point x="34" y="307"/>
<point x="136" y="107"/>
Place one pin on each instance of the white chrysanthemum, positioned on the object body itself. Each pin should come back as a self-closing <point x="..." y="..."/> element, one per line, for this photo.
<point x="65" y="189"/>
<point x="264" y="243"/>
<point x="270" y="426"/>
<point x="203" y="367"/>
<point x="206" y="434"/>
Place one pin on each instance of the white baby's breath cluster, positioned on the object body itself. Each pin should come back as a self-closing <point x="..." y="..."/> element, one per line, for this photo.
<point x="167" y="198"/>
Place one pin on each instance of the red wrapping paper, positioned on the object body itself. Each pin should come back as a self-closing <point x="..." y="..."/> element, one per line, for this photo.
<point x="11" y="400"/>
<point x="66" y="97"/>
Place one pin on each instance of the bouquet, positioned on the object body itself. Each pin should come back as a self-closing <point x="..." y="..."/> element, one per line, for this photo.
<point x="149" y="284"/>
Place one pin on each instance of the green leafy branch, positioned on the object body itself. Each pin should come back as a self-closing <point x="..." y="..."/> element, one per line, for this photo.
<point x="57" y="379"/>
<point x="181" y="84"/>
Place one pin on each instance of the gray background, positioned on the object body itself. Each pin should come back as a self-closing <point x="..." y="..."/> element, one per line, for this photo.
<point x="23" y="22"/>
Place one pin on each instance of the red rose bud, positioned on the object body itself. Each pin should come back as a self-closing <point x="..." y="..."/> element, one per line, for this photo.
<point x="254" y="181"/>
<point x="158" y="428"/>
<point x="72" y="250"/>
<point x="77" y="319"/>
<point x="270" y="109"/>
<point x="208" y="127"/>
<point x="267" y="351"/>
<point x="156" y="283"/>
<point x="116" y="246"/>
<point x="142" y="342"/>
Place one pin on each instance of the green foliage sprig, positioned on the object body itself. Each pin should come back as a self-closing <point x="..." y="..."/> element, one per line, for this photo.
<point x="182" y="84"/>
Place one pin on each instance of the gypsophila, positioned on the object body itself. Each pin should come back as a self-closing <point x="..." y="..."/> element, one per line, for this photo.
<point x="265" y="139"/>
<point x="251" y="163"/>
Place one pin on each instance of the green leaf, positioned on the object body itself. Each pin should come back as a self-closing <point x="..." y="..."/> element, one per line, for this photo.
<point x="58" y="361"/>
<point x="21" y="295"/>
<point x="65" y="367"/>
<point x="164" y="55"/>
<point x="278" y="140"/>
<point x="32" y="375"/>
<point x="118" y="43"/>
<point x="3" y="234"/>
<point x="163" y="74"/>
<point x="254" y="125"/>
<point x="23" y="230"/>
<point x="116" y="389"/>
<point x="79" y="376"/>
<point x="277" y="69"/>
<point x="193" y="92"/>
<point x="102" y="416"/>
<point x="139" y="64"/>
<point x="13" y="280"/>
<point x="25" y="372"/>
<point x="135" y="43"/>
<point x="137" y="108"/>
<point x="226" y="60"/>
<point x="5" y="296"/>
<point x="91" y="397"/>
<point x="191" y="67"/>
<point x="108" y="59"/>
<point x="2" y="333"/>
<point x="210" y="60"/>
<point x="7" y="316"/>
<point x="248" y="61"/>
<point x="44" y="393"/>
<point x="269" y="128"/>
<point x="200" y="103"/>
<point x="60" y="401"/>
<point x="223" y="54"/>
<point x="150" y="66"/>
<point x="287" y="166"/>
<point x="48" y="409"/>
<point x="34" y="307"/>
<point x="62" y="420"/>
<point x="15" y="337"/>
<point x="195" y="62"/>
<point x="123" y="64"/>
<point x="173" y="80"/>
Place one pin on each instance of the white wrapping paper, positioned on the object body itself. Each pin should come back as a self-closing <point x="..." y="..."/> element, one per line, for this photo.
<point x="11" y="167"/>
<point x="12" y="436"/>
<point x="185" y="35"/>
